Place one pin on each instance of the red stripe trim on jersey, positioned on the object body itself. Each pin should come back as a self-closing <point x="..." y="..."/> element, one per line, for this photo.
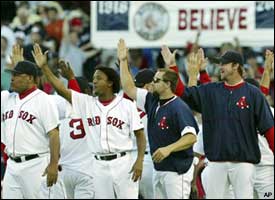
<point x="269" y="135"/>
<point x="141" y="115"/>
<point x="234" y="87"/>
<point x="264" y="90"/>
<point x="27" y="92"/>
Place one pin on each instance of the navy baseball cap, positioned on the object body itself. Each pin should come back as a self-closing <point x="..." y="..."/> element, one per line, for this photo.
<point x="143" y="77"/>
<point x="229" y="57"/>
<point x="24" y="67"/>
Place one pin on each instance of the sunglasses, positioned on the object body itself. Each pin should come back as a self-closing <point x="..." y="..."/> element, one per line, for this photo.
<point x="157" y="80"/>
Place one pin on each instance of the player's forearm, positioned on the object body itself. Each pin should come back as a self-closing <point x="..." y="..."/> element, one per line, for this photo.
<point x="54" y="146"/>
<point x="192" y="81"/>
<point x="265" y="81"/>
<point x="56" y="83"/>
<point x="141" y="144"/>
<point x="127" y="80"/>
<point x="183" y="143"/>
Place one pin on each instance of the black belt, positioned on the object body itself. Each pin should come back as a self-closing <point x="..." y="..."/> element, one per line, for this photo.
<point x="24" y="158"/>
<point x="110" y="157"/>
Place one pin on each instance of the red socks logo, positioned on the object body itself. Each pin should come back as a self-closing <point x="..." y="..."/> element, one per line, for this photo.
<point x="242" y="103"/>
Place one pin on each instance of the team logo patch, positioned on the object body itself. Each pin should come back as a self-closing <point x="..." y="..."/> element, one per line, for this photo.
<point x="163" y="124"/>
<point x="242" y="103"/>
<point x="151" y="21"/>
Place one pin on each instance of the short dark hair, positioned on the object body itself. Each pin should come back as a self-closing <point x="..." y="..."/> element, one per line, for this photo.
<point x="240" y="69"/>
<point x="112" y="76"/>
<point x="170" y="76"/>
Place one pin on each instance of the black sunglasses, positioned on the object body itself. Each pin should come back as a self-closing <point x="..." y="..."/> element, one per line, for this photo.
<point x="156" y="80"/>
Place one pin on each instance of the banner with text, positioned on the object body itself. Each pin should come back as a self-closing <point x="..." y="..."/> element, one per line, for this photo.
<point x="154" y="23"/>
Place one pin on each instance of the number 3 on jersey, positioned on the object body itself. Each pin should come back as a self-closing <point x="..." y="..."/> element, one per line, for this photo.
<point x="78" y="129"/>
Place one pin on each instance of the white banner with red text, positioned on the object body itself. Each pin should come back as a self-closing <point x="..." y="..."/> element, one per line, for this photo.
<point x="174" y="23"/>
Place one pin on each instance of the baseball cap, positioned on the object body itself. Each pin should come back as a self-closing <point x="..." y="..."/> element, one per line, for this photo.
<point x="229" y="57"/>
<point x="24" y="67"/>
<point x="143" y="77"/>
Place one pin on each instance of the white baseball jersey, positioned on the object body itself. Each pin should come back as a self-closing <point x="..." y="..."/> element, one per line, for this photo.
<point x="75" y="153"/>
<point x="143" y="117"/>
<point x="267" y="157"/>
<point x="110" y="127"/>
<point x="27" y="122"/>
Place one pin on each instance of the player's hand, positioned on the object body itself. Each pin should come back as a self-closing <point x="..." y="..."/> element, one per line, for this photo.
<point x="17" y="55"/>
<point x="160" y="154"/>
<point x="122" y="50"/>
<point x="137" y="170"/>
<point x="202" y="61"/>
<point x="39" y="57"/>
<point x="168" y="57"/>
<point x="52" y="173"/>
<point x="269" y="61"/>
<point x="193" y="67"/>
<point x="66" y="70"/>
<point x="194" y="190"/>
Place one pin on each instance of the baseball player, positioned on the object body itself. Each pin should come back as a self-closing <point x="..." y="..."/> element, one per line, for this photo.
<point x="264" y="174"/>
<point x="109" y="120"/>
<point x="75" y="177"/>
<point x="171" y="133"/>
<point x="232" y="112"/>
<point x="31" y="137"/>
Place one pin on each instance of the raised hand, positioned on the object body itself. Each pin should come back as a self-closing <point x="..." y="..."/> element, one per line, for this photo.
<point x="122" y="50"/>
<point x="168" y="57"/>
<point x="202" y="60"/>
<point x="17" y="55"/>
<point x="39" y="57"/>
<point x="66" y="70"/>
<point x="193" y="64"/>
<point x="269" y="61"/>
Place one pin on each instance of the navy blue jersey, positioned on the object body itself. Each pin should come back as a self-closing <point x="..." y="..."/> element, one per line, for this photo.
<point x="231" y="118"/>
<point x="166" y="123"/>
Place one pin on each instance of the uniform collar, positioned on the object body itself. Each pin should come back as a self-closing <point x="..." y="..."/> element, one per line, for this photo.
<point x="27" y="92"/>
<point x="234" y="87"/>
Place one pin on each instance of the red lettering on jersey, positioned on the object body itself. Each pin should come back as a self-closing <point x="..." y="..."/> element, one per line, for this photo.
<point x="20" y="114"/>
<point x="6" y="115"/>
<point x="120" y="123"/>
<point x="115" y="120"/>
<point x="79" y="127"/>
<point x="11" y="114"/>
<point x="97" y="120"/>
<point x="31" y="118"/>
<point x="90" y="121"/>
<point x="109" y="120"/>
<point x="25" y="115"/>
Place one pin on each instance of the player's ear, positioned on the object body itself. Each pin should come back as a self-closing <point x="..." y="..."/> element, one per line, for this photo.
<point x="110" y="83"/>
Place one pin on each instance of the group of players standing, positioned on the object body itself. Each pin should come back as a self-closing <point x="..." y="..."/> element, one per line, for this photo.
<point x="94" y="146"/>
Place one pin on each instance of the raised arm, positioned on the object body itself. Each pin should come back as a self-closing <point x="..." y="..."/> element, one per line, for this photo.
<point x="268" y="71"/>
<point x="16" y="56"/>
<point x="41" y="61"/>
<point x="126" y="79"/>
<point x="170" y="61"/>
